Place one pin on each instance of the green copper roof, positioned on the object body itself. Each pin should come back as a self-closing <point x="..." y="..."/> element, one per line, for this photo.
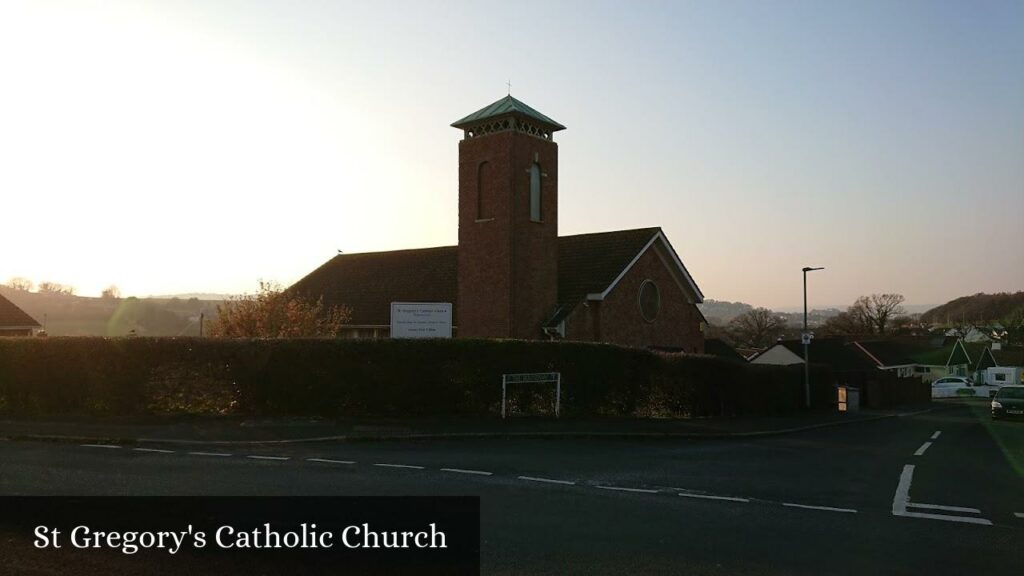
<point x="505" y="106"/>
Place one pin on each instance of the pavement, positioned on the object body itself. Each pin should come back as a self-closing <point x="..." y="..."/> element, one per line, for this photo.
<point x="234" y="430"/>
<point x="937" y="492"/>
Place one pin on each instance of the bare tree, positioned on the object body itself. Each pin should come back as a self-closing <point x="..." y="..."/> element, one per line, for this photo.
<point x="22" y="284"/>
<point x="757" y="328"/>
<point x="55" y="288"/>
<point x="111" y="293"/>
<point x="881" y="309"/>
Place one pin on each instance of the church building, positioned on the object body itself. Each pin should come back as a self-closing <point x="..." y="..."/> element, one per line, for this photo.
<point x="512" y="275"/>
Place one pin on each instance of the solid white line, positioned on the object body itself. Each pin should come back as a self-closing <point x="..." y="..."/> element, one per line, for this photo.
<point x="940" y="507"/>
<point x="936" y="435"/>
<point x="400" y="466"/>
<point x="899" y="501"/>
<point x="278" y="458"/>
<point x="463" y="471"/>
<point x="710" y="497"/>
<point x="637" y="490"/>
<point x="548" y="480"/>
<point x="154" y="450"/>
<point x="220" y="454"/>
<point x="920" y="451"/>
<point x="1019" y="514"/>
<point x="329" y="461"/>
<point x="99" y="446"/>
<point x="826" y="508"/>
<point x="964" y="519"/>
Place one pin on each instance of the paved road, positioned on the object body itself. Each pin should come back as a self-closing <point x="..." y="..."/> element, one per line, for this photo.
<point x="934" y="493"/>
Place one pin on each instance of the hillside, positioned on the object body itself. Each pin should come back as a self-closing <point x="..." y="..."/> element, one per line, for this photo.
<point x="979" y="308"/>
<point x="66" y="315"/>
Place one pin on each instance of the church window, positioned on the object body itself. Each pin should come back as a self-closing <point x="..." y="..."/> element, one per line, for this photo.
<point x="650" y="300"/>
<point x="484" y="192"/>
<point x="535" y="193"/>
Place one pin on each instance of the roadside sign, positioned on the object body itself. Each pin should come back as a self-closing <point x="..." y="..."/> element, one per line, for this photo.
<point x="806" y="338"/>
<point x="532" y="378"/>
<point x="421" y="320"/>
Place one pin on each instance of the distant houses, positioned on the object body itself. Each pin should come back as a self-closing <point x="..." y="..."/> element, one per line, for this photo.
<point x="14" y="321"/>
<point x="927" y="358"/>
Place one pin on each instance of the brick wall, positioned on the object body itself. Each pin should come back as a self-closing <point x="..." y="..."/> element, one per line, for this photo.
<point x="507" y="265"/>
<point x="617" y="318"/>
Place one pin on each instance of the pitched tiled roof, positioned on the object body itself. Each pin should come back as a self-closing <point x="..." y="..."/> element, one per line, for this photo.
<point x="887" y="352"/>
<point x="589" y="263"/>
<point x="832" y="351"/>
<point x="13" y="317"/>
<point x="506" y="106"/>
<point x="722" y="349"/>
<point x="1009" y="356"/>
<point x="368" y="282"/>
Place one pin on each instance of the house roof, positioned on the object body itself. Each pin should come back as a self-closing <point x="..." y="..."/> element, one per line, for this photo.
<point x="720" y="348"/>
<point x="1008" y="356"/>
<point x="13" y="317"/>
<point x="506" y="106"/>
<point x="832" y="351"/>
<point x="368" y="283"/>
<point x="886" y="352"/>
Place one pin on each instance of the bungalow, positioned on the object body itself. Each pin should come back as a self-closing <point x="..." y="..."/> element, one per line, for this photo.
<point x="14" y="321"/>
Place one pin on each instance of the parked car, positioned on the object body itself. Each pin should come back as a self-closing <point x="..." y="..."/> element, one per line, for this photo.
<point x="960" y="387"/>
<point x="1008" y="402"/>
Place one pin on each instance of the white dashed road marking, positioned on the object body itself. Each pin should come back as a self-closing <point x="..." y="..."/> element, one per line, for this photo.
<point x="329" y="461"/>
<point x="400" y="466"/>
<point x="548" y="480"/>
<point x="154" y="450"/>
<point x="920" y="451"/>
<point x="277" y="458"/>
<point x="825" y="508"/>
<point x="100" y="446"/>
<point x="462" y="471"/>
<point x="1019" y="514"/>
<point x="217" y="454"/>
<point x="936" y="435"/>
<point x="710" y="497"/>
<point x="619" y="489"/>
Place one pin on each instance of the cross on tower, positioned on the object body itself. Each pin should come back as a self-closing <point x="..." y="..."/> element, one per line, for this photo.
<point x="509" y="84"/>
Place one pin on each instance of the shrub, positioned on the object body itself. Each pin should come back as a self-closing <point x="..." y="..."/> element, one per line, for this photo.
<point x="399" y="378"/>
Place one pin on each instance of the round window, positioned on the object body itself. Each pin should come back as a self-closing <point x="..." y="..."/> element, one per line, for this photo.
<point x="650" y="301"/>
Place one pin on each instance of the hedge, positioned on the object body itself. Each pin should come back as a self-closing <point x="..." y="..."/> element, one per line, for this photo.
<point x="400" y="378"/>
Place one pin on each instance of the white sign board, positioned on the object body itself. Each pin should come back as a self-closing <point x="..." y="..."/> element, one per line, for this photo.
<point x="421" y="320"/>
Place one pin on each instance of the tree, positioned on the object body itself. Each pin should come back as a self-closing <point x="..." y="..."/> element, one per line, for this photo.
<point x="758" y="328"/>
<point x="111" y="293"/>
<point x="21" y="284"/>
<point x="276" y="313"/>
<point x="55" y="288"/>
<point x="867" y="315"/>
<point x="879" y="309"/>
<point x="1014" y="325"/>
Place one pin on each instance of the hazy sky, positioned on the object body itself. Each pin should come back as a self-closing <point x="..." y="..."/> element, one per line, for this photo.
<point x="200" y="146"/>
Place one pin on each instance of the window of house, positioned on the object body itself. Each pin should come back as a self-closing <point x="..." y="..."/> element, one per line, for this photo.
<point x="650" y="300"/>
<point x="1000" y="377"/>
<point x="535" y="193"/>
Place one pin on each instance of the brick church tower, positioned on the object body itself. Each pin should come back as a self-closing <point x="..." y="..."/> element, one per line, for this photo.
<point x="508" y="222"/>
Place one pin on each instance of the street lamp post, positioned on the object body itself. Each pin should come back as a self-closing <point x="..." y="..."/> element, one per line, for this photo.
<point x="806" y="338"/>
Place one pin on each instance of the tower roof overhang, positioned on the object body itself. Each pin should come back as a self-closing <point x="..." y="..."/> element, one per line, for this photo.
<point x="507" y="106"/>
